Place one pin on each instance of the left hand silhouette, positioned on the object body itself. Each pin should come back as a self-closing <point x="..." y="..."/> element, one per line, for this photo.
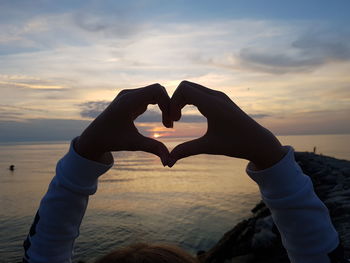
<point x="114" y="128"/>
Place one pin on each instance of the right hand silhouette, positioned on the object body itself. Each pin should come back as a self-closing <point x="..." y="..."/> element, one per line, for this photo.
<point x="230" y="132"/>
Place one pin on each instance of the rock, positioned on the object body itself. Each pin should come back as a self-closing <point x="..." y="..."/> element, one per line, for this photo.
<point x="346" y="171"/>
<point x="256" y="239"/>
<point x="263" y="237"/>
<point x="258" y="207"/>
<point x="242" y="259"/>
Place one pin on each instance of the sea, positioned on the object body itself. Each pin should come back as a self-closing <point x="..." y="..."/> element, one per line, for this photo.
<point x="191" y="205"/>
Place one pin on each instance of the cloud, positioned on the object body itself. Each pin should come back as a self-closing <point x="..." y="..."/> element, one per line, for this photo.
<point x="272" y="48"/>
<point x="91" y="109"/>
<point x="325" y="45"/>
<point x="54" y="26"/>
<point x="259" y="116"/>
<point x="33" y="86"/>
<point x="92" y="54"/>
<point x="41" y="130"/>
<point x="340" y="94"/>
<point x="267" y="61"/>
<point x="313" y="122"/>
<point x="153" y="116"/>
<point x="306" y="53"/>
<point x="17" y="113"/>
<point x="119" y="25"/>
<point x="310" y="122"/>
<point x="10" y="115"/>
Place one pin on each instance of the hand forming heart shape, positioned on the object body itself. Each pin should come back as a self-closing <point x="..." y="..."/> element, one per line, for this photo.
<point x="230" y="131"/>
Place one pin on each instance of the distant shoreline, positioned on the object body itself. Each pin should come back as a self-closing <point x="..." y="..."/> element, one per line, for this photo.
<point x="35" y="141"/>
<point x="336" y="145"/>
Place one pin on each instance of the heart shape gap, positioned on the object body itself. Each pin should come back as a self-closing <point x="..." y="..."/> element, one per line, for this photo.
<point x="191" y="125"/>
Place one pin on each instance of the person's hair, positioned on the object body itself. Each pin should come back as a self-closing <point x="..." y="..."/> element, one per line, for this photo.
<point x="148" y="253"/>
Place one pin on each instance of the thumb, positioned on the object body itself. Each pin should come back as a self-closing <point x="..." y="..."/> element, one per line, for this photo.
<point x="150" y="145"/>
<point x="187" y="149"/>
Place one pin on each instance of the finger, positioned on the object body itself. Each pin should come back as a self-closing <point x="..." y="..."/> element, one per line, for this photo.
<point x="150" y="145"/>
<point x="124" y="91"/>
<point x="186" y="149"/>
<point x="156" y="94"/>
<point x="200" y="87"/>
<point x="187" y="94"/>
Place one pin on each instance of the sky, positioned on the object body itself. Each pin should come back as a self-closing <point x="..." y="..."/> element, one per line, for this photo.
<point x="286" y="63"/>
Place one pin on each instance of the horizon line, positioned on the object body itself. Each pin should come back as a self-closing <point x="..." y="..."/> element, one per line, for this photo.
<point x="59" y="141"/>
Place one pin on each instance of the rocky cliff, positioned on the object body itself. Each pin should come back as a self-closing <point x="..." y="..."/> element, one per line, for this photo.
<point x="256" y="239"/>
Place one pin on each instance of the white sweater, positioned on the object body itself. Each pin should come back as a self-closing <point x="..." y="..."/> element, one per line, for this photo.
<point x="300" y="216"/>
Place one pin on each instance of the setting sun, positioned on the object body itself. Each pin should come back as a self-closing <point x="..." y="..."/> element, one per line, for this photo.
<point x="156" y="135"/>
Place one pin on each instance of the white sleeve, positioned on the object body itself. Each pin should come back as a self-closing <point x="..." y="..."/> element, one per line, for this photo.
<point x="300" y="216"/>
<point x="57" y="222"/>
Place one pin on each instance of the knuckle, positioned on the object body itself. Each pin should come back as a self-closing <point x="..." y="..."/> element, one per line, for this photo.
<point x="225" y="96"/>
<point x="220" y="93"/>
<point x="163" y="89"/>
<point x="185" y="82"/>
<point x="155" y="86"/>
<point x="160" y="89"/>
<point x="123" y="92"/>
<point x="182" y="88"/>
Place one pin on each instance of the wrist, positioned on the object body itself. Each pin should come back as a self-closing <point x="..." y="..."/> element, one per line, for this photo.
<point x="274" y="186"/>
<point x="91" y="151"/>
<point x="268" y="157"/>
<point x="267" y="150"/>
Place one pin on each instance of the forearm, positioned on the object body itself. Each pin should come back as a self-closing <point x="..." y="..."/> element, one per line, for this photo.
<point x="56" y="226"/>
<point x="301" y="217"/>
<point x="61" y="210"/>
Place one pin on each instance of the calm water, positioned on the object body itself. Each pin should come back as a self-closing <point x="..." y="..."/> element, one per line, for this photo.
<point x="192" y="204"/>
